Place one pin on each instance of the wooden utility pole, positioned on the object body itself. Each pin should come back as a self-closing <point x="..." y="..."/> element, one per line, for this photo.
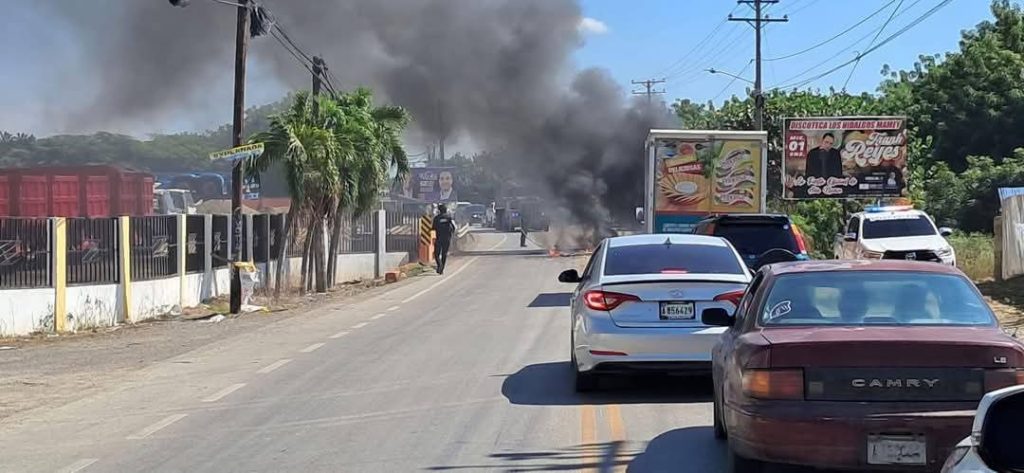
<point x="649" y="86"/>
<point x="758" y="22"/>
<point x="237" y="174"/>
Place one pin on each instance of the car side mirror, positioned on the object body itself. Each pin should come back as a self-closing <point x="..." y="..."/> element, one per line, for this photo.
<point x="569" y="276"/>
<point x="997" y="425"/>
<point x="717" y="316"/>
<point x="945" y="231"/>
<point x="850" y="237"/>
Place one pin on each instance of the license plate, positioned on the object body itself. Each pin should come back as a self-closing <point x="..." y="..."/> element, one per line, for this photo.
<point x="677" y="310"/>
<point x="897" y="450"/>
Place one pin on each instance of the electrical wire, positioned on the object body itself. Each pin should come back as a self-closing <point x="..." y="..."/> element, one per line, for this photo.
<point x="733" y="81"/>
<point x="848" y="47"/>
<point x="798" y="10"/>
<point x="700" y="63"/>
<point x="891" y="37"/>
<point x="304" y="63"/>
<point x="880" y="30"/>
<point x="833" y="38"/>
<point x="678" y="62"/>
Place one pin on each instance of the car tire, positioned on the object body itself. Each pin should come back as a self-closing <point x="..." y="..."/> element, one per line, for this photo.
<point x="738" y="464"/>
<point x="717" y="422"/>
<point x="586" y="382"/>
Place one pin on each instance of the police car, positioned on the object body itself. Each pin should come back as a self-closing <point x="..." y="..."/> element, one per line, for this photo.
<point x="894" y="232"/>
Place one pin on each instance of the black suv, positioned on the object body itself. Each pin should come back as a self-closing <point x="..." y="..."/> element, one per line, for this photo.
<point x="755" y="236"/>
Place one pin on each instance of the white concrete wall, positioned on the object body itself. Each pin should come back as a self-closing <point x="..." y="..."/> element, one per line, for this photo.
<point x="351" y="267"/>
<point x="93" y="306"/>
<point x="23" y="311"/>
<point x="155" y="298"/>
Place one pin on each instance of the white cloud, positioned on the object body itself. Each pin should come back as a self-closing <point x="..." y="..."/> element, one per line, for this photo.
<point x="592" y="26"/>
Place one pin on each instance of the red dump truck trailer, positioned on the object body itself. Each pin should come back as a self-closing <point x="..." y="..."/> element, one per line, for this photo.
<point x="75" y="191"/>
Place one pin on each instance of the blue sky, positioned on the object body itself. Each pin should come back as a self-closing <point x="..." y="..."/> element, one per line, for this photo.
<point x="633" y="39"/>
<point x="645" y="37"/>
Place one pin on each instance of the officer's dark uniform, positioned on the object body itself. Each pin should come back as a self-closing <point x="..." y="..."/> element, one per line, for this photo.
<point x="444" y="228"/>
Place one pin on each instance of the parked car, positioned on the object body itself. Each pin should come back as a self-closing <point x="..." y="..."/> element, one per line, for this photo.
<point x="635" y="305"/>
<point x="856" y="365"/>
<point x="994" y="445"/>
<point x="474" y="214"/>
<point x="756" y="236"/>
<point x="896" y="232"/>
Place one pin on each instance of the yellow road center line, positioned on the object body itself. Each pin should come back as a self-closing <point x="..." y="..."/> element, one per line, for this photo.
<point x="618" y="431"/>
<point x="588" y="438"/>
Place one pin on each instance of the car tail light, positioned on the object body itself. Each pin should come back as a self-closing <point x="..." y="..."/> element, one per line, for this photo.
<point x="1003" y="378"/>
<point x="799" y="237"/>
<point x="732" y="296"/>
<point x="607" y="353"/>
<point x="774" y="384"/>
<point x="604" y="300"/>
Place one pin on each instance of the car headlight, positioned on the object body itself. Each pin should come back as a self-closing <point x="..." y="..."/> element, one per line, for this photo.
<point x="869" y="254"/>
<point x="955" y="458"/>
<point x="946" y="252"/>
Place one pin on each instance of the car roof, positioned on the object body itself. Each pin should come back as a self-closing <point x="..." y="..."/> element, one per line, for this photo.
<point x="659" y="238"/>
<point x="742" y="217"/>
<point x="859" y="265"/>
<point x="889" y="213"/>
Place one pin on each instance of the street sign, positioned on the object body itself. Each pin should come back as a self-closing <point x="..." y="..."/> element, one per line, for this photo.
<point x="241" y="152"/>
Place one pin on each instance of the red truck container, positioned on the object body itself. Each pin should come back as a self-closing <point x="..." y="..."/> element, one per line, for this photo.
<point x="75" y="191"/>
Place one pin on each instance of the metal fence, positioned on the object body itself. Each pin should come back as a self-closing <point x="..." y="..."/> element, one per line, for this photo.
<point x="195" y="243"/>
<point x="277" y="223"/>
<point x="25" y="252"/>
<point x="154" y="245"/>
<point x="220" y="238"/>
<point x="357" y="235"/>
<point x="403" y="233"/>
<point x="261" y="238"/>
<point x="92" y="251"/>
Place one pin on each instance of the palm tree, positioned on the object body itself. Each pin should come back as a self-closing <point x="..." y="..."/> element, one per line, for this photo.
<point x="300" y="138"/>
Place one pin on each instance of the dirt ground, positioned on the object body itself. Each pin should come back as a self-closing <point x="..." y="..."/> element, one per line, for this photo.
<point x="1007" y="300"/>
<point x="52" y="369"/>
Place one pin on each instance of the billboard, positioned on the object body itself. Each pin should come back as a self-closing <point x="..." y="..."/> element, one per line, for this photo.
<point x="695" y="177"/>
<point x="432" y="184"/>
<point x="845" y="157"/>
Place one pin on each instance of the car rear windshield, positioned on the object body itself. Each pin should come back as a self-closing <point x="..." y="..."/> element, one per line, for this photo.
<point x="756" y="238"/>
<point x="862" y="298"/>
<point x="672" y="258"/>
<point x="901" y="226"/>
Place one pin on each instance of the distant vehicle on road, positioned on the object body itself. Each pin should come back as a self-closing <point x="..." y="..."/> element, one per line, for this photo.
<point x="755" y="236"/>
<point x="897" y="232"/>
<point x="473" y="214"/>
<point x="994" y="443"/>
<point x="635" y="305"/>
<point x="859" y="365"/>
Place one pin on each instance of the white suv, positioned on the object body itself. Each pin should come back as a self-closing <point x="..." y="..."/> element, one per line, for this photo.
<point x="894" y="233"/>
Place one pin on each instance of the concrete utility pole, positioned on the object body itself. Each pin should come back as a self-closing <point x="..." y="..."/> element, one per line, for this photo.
<point x="758" y="22"/>
<point x="238" y="120"/>
<point x="318" y="72"/>
<point x="649" y="86"/>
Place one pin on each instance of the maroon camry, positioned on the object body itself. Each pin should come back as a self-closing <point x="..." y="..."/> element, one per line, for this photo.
<point x="860" y="365"/>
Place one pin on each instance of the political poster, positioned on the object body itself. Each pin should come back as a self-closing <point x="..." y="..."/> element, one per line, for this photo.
<point x="432" y="184"/>
<point x="845" y="157"/>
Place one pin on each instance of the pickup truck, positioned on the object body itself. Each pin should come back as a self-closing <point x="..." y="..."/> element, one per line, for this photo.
<point x="898" y="232"/>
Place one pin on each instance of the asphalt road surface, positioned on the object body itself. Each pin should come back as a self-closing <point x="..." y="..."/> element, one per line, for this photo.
<point x="463" y="372"/>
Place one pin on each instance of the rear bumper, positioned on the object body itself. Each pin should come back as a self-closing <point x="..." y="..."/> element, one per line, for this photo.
<point x="672" y="350"/>
<point x="835" y="435"/>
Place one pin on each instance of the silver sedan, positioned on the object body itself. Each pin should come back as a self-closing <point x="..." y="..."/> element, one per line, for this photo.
<point x="635" y="305"/>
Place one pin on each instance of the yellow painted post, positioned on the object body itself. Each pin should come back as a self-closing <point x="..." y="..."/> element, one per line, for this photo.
<point x="59" y="250"/>
<point x="182" y="251"/>
<point x="125" y="245"/>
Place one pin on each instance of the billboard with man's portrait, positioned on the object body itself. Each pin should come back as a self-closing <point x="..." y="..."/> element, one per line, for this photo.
<point x="844" y="157"/>
<point x="432" y="184"/>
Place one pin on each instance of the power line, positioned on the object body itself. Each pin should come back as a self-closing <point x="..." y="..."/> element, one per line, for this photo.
<point x="880" y="30"/>
<point x="733" y="81"/>
<point x="699" y="64"/>
<point x="758" y="22"/>
<point x="649" y="86"/>
<point x="798" y="10"/>
<point x="837" y="36"/>
<point x="847" y="48"/>
<point x="895" y="35"/>
<point x="668" y="70"/>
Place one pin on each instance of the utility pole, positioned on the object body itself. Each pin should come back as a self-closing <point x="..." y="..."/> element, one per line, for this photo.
<point x="238" y="120"/>
<point x="318" y="72"/>
<point x="648" y="85"/>
<point x="758" y="22"/>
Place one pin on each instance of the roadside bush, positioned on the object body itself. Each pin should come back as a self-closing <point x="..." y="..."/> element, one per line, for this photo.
<point x="974" y="254"/>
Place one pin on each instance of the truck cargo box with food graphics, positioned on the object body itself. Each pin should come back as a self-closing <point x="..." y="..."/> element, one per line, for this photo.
<point x="691" y="174"/>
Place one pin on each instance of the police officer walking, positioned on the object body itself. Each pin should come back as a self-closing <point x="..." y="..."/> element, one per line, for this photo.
<point x="444" y="229"/>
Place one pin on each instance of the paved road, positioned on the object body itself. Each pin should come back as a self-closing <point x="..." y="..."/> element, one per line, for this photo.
<point x="465" y="372"/>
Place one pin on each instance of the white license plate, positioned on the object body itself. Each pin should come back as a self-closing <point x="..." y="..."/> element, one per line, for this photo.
<point x="897" y="450"/>
<point x="677" y="310"/>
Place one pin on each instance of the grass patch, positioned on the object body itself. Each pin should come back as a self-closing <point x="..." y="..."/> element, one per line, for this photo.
<point x="974" y="254"/>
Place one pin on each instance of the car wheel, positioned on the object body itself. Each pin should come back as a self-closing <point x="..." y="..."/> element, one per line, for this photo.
<point x="738" y="464"/>
<point x="719" y="427"/>
<point x="586" y="382"/>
